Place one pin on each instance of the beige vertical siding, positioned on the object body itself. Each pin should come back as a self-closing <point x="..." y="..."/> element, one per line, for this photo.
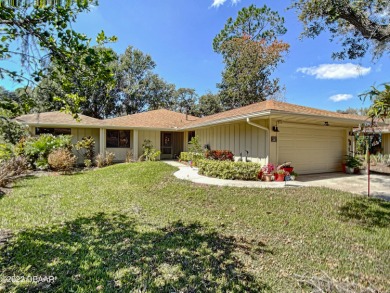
<point x="79" y="133"/>
<point x="236" y="137"/>
<point x="152" y="135"/>
<point x="386" y="143"/>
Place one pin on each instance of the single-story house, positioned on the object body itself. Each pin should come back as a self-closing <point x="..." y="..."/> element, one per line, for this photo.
<point x="314" y="140"/>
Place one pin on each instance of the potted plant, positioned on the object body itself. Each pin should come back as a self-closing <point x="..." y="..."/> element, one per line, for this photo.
<point x="280" y="174"/>
<point x="352" y="164"/>
<point x="293" y="175"/>
<point x="267" y="171"/>
<point x="286" y="167"/>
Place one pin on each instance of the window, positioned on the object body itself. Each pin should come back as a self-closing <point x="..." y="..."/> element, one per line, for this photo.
<point x="118" y="138"/>
<point x="191" y="134"/>
<point x="54" y="131"/>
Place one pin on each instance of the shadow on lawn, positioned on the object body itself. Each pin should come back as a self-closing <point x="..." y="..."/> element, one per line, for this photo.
<point x="370" y="212"/>
<point x="110" y="253"/>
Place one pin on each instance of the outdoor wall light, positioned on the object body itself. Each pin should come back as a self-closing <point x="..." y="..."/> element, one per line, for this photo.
<point x="275" y="128"/>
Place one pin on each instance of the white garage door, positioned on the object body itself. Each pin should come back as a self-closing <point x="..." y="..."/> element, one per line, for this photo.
<point x="311" y="150"/>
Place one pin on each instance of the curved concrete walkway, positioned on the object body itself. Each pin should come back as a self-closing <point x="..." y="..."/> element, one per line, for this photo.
<point x="380" y="184"/>
<point x="187" y="173"/>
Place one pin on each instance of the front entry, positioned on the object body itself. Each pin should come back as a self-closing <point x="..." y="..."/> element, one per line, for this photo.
<point x="171" y="144"/>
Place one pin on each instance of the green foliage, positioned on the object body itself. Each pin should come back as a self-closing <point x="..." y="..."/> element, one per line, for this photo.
<point x="257" y="23"/>
<point x="190" y="156"/>
<point x="361" y="145"/>
<point x="133" y="74"/>
<point x="185" y="101"/>
<point x="380" y="99"/>
<point x="38" y="148"/>
<point x="6" y="151"/>
<point x="12" y="168"/>
<point x="229" y="169"/>
<point x="10" y="131"/>
<point x="61" y="160"/>
<point x="360" y="25"/>
<point x="352" y="162"/>
<point x="209" y="104"/>
<point x="88" y="163"/>
<point x="47" y="28"/>
<point x="87" y="144"/>
<point x="194" y="145"/>
<point x="251" y="52"/>
<point x="149" y="152"/>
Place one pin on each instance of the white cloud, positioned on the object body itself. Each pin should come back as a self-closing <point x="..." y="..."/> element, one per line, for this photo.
<point x="335" y="71"/>
<point x="217" y="3"/>
<point x="340" y="97"/>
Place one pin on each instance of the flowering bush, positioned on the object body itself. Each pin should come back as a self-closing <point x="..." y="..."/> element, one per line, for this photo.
<point x="220" y="155"/>
<point x="268" y="169"/>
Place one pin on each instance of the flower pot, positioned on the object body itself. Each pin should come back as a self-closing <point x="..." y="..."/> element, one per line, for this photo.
<point x="349" y="170"/>
<point x="343" y="168"/>
<point x="279" y="177"/>
<point x="267" y="177"/>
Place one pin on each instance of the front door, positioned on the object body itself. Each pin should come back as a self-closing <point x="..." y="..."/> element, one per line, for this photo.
<point x="166" y="145"/>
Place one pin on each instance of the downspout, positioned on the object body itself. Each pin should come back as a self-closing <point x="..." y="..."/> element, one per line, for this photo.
<point x="267" y="136"/>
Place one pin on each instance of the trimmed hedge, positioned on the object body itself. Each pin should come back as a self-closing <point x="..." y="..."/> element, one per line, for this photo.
<point x="229" y="170"/>
<point x="189" y="156"/>
<point x="220" y="155"/>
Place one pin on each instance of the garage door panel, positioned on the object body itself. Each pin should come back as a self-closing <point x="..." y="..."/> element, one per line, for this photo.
<point x="311" y="150"/>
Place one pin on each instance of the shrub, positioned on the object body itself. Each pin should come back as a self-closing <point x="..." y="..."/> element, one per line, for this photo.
<point x="229" y="170"/>
<point x="109" y="158"/>
<point x="194" y="146"/>
<point x="39" y="147"/>
<point x="220" y="155"/>
<point x="87" y="163"/>
<point x="103" y="160"/>
<point x="193" y="157"/>
<point x="41" y="163"/>
<point x="61" y="160"/>
<point x="12" y="131"/>
<point x="88" y="145"/>
<point x="99" y="160"/>
<point x="129" y="156"/>
<point x="5" y="151"/>
<point x="12" y="168"/>
<point x="149" y="152"/>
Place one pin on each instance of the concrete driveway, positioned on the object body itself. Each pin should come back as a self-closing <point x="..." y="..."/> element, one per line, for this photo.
<point x="379" y="186"/>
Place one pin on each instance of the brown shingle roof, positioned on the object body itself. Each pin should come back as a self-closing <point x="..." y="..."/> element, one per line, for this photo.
<point x="57" y="118"/>
<point x="165" y="119"/>
<point x="271" y="106"/>
<point x="152" y="119"/>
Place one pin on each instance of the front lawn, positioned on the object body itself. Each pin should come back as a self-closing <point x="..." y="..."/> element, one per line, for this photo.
<point x="135" y="227"/>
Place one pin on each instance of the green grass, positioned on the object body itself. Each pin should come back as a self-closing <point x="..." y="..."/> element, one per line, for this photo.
<point x="135" y="227"/>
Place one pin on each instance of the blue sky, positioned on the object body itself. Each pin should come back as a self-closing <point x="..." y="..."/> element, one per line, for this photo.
<point x="178" y="34"/>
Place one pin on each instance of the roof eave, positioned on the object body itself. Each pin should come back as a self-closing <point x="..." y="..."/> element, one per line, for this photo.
<point x="227" y="120"/>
